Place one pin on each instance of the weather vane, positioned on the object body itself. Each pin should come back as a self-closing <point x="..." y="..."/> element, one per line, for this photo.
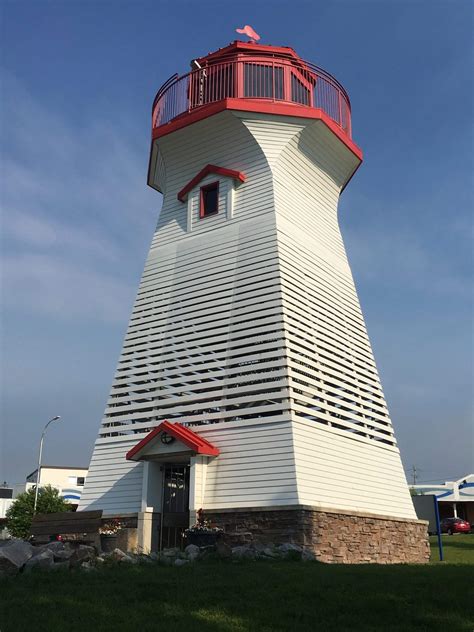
<point x="250" y="33"/>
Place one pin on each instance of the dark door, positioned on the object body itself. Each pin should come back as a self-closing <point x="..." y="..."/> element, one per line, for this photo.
<point x="175" y="517"/>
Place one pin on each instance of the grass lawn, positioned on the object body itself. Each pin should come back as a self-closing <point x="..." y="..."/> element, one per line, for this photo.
<point x="239" y="597"/>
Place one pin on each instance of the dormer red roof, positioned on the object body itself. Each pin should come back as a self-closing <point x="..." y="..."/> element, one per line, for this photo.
<point x="221" y="171"/>
<point x="191" y="439"/>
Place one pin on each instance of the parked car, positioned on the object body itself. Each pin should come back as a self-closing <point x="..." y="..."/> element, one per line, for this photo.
<point x="454" y="525"/>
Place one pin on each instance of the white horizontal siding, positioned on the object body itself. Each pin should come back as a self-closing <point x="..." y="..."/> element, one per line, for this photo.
<point x="255" y="467"/>
<point x="113" y="484"/>
<point x="224" y="141"/>
<point x="336" y="472"/>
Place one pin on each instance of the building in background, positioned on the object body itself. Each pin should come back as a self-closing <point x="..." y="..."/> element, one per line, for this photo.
<point x="6" y="500"/>
<point x="247" y="385"/>
<point x="69" y="481"/>
<point x="455" y="498"/>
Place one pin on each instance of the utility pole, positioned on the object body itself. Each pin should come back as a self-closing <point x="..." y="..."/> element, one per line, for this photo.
<point x="415" y="474"/>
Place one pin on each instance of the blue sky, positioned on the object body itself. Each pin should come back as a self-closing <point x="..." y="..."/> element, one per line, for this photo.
<point x="78" y="80"/>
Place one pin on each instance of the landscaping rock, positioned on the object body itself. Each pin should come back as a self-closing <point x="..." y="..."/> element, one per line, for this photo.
<point x="308" y="556"/>
<point x="170" y="552"/>
<point x="205" y="552"/>
<point x="45" y="559"/>
<point x="82" y="554"/>
<point x="127" y="559"/>
<point x="87" y="567"/>
<point x="63" y="556"/>
<point x="55" y="546"/>
<point x="192" y="552"/>
<point x="181" y="562"/>
<point x="289" y="546"/>
<point x="115" y="555"/>
<point x="270" y="553"/>
<point x="223" y="550"/>
<point x="14" y="555"/>
<point x="244" y="552"/>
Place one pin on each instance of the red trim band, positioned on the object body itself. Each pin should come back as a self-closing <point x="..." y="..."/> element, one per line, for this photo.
<point x="265" y="107"/>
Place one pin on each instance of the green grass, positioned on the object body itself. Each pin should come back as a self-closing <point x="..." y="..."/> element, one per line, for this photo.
<point x="458" y="549"/>
<point x="252" y="596"/>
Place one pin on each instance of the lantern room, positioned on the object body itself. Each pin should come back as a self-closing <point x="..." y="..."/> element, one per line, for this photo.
<point x="255" y="78"/>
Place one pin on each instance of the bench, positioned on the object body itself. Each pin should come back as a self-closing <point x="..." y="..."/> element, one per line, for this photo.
<point x="81" y="527"/>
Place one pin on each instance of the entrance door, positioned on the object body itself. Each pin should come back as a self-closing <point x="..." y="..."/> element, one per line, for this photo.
<point x="175" y="514"/>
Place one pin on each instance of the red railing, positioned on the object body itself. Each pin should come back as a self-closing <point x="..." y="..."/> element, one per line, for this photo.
<point x="269" y="78"/>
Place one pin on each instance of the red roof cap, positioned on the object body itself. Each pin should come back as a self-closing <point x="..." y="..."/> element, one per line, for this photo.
<point x="248" y="47"/>
<point x="194" y="441"/>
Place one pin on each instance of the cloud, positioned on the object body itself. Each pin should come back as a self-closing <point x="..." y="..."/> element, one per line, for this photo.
<point x="77" y="216"/>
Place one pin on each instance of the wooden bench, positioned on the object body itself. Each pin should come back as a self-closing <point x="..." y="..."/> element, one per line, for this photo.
<point x="69" y="526"/>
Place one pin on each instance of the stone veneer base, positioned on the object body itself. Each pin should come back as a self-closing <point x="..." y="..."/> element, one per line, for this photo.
<point x="334" y="536"/>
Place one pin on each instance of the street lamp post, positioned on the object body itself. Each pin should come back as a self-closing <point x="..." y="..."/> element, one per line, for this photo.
<point x="39" y="460"/>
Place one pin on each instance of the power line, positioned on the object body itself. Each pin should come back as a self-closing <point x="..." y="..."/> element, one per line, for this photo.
<point x="439" y="480"/>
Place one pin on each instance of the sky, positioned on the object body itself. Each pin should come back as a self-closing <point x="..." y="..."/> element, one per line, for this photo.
<point x="77" y="82"/>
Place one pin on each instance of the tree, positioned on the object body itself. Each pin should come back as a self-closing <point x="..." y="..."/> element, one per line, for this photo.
<point x="20" y="515"/>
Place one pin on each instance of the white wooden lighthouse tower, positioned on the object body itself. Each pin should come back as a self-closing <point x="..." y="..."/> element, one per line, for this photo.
<point x="247" y="385"/>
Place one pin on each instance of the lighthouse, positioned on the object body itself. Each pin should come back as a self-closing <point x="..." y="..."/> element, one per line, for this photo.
<point x="247" y="389"/>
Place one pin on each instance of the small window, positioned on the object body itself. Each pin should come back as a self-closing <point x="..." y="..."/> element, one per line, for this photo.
<point x="80" y="480"/>
<point x="209" y="200"/>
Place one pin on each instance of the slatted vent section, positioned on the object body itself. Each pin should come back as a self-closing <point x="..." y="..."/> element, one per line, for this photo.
<point x="333" y="378"/>
<point x="205" y="342"/>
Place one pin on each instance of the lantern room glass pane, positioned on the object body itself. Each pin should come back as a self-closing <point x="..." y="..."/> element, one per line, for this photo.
<point x="263" y="81"/>
<point x="299" y="92"/>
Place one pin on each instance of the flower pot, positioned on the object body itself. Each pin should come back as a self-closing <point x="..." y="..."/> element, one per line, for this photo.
<point x="108" y="542"/>
<point x="202" y="538"/>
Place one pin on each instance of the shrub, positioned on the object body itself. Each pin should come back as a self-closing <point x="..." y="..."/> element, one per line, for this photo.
<point x="20" y="515"/>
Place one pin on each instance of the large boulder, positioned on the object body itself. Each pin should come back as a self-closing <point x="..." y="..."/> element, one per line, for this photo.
<point x="223" y="550"/>
<point x="308" y="556"/>
<point x="192" y="552"/>
<point x="290" y="550"/>
<point x="244" y="552"/>
<point x="173" y="552"/>
<point x="54" y="546"/>
<point x="270" y="552"/>
<point x="116" y="555"/>
<point x="43" y="560"/>
<point x="128" y="559"/>
<point x="14" y="555"/>
<point x="181" y="562"/>
<point x="83" y="553"/>
<point x="63" y="556"/>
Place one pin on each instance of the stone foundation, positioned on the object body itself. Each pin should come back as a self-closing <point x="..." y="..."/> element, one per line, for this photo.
<point x="333" y="536"/>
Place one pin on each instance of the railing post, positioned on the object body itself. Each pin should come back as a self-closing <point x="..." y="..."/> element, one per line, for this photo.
<point x="273" y="79"/>
<point x="340" y="107"/>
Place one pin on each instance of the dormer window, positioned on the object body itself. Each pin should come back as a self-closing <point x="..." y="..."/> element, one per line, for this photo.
<point x="209" y="204"/>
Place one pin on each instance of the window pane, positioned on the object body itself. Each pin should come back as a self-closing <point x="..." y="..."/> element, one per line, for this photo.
<point x="210" y="200"/>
